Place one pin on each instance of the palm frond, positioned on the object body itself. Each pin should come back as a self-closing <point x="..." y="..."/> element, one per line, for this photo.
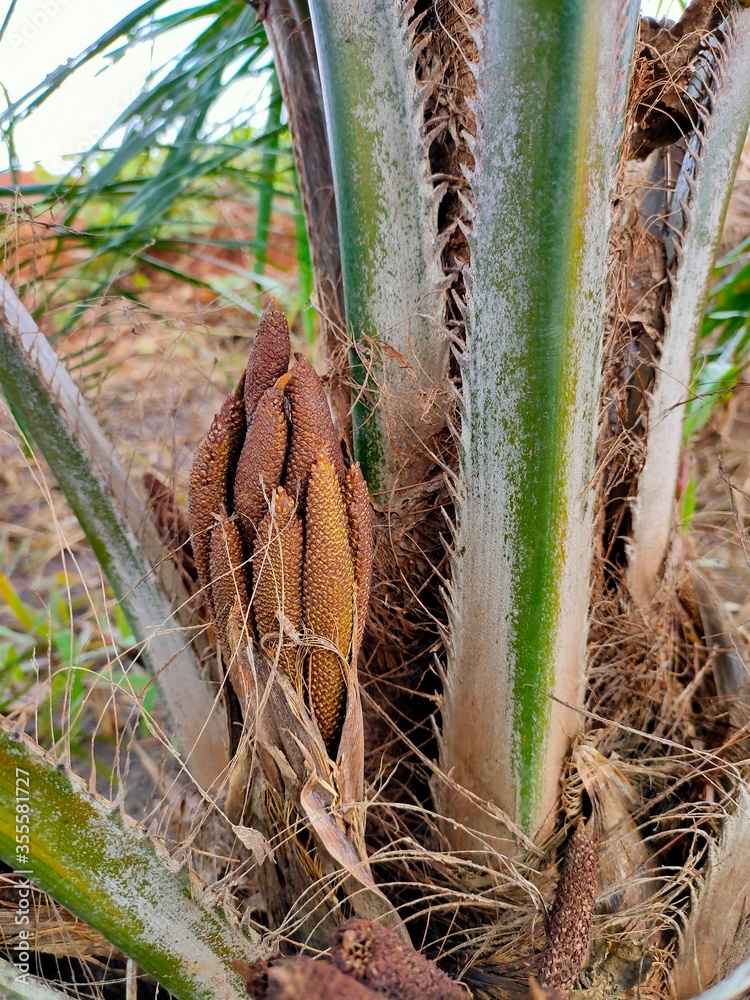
<point x="696" y="215"/>
<point x="106" y="871"/>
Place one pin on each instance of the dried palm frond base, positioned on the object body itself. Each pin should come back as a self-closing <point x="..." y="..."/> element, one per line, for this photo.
<point x="660" y="763"/>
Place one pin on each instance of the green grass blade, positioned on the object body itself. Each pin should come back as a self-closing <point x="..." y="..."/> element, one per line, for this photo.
<point x="109" y="874"/>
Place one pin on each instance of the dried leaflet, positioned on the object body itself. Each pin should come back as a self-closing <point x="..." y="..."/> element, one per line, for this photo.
<point x="719" y="914"/>
<point x="624" y="859"/>
<point x="269" y="358"/>
<point x="313" y="433"/>
<point x="328" y="592"/>
<point x="209" y="484"/>
<point x="569" y="930"/>
<point x="171" y="526"/>
<point x="379" y="958"/>
<point x="363" y="547"/>
<point x="277" y="572"/>
<point x="261" y="462"/>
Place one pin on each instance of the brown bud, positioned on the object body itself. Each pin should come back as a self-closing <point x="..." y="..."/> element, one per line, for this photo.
<point x="328" y="596"/>
<point x="269" y="358"/>
<point x="261" y="463"/>
<point x="313" y="433"/>
<point x="305" y="979"/>
<point x="277" y="573"/>
<point x="363" y="547"/>
<point x="228" y="577"/>
<point x="210" y="477"/>
<point x="569" y="928"/>
<point x="380" y="959"/>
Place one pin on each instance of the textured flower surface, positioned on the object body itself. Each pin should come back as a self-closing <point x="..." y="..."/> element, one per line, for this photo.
<point x="282" y="532"/>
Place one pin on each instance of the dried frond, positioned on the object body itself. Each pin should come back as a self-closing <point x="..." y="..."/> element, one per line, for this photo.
<point x="730" y="665"/>
<point x="209" y="485"/>
<point x="52" y="930"/>
<point x="624" y="858"/>
<point x="638" y="296"/>
<point x="569" y="931"/>
<point x="269" y="358"/>
<point x="328" y="596"/>
<point x="380" y="959"/>
<point x="261" y="462"/>
<point x="277" y="589"/>
<point x="313" y="433"/>
<point x="664" y="110"/>
<point x="363" y="546"/>
<point x="719" y="915"/>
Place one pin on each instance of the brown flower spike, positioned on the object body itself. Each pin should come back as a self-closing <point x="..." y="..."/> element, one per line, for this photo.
<point x="228" y="580"/>
<point x="328" y="595"/>
<point x="210" y="478"/>
<point x="305" y="979"/>
<point x="261" y="461"/>
<point x="269" y="358"/>
<point x="277" y="570"/>
<point x="309" y="540"/>
<point x="313" y="433"/>
<point x="379" y="958"/>
<point x="569" y="929"/>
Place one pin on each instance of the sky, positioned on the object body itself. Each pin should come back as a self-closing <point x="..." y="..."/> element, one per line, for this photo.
<point x="42" y="34"/>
